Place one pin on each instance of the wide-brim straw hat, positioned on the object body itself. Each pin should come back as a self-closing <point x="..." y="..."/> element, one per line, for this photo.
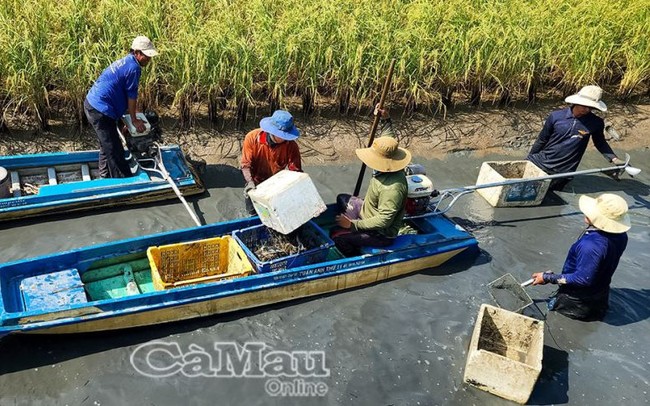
<point x="607" y="212"/>
<point x="384" y="155"/>
<point x="281" y="125"/>
<point x="588" y="96"/>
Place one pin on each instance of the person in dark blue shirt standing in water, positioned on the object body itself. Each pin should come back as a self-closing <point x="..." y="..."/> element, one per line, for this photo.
<point x="565" y="136"/>
<point x="583" y="292"/>
<point x="115" y="93"/>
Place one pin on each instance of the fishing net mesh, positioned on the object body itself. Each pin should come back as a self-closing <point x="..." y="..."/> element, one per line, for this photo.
<point x="508" y="294"/>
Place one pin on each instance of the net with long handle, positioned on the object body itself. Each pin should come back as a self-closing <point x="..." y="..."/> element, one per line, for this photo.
<point x="508" y="293"/>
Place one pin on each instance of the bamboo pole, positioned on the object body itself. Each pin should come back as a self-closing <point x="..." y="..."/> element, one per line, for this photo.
<point x="375" y="123"/>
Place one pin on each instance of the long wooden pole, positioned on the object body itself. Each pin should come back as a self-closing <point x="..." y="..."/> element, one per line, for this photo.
<point x="375" y="124"/>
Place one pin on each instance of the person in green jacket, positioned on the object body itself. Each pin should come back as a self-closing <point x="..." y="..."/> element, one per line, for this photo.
<point x="375" y="221"/>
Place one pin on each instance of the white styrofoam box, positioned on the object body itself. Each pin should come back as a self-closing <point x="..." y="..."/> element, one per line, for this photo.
<point x="127" y="120"/>
<point x="286" y="201"/>
<point x="505" y="353"/>
<point x="520" y="194"/>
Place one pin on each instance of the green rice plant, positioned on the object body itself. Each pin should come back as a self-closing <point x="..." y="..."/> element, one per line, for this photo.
<point x="27" y="60"/>
<point x="74" y="64"/>
<point x="635" y="48"/>
<point x="582" y="44"/>
<point x="240" y="53"/>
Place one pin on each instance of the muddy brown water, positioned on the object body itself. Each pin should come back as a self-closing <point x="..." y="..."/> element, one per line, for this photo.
<point x="399" y="342"/>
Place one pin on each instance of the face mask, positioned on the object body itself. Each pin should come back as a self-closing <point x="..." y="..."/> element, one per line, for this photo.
<point x="270" y="141"/>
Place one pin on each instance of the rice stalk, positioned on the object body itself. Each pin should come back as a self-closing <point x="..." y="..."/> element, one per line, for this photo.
<point x="239" y="53"/>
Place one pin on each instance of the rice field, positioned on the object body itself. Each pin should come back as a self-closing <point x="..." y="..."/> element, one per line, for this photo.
<point x="229" y="54"/>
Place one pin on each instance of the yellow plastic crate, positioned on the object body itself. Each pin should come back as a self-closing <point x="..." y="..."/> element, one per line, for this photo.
<point x="200" y="261"/>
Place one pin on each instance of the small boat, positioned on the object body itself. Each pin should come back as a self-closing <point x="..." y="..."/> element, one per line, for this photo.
<point x="127" y="283"/>
<point x="39" y="184"/>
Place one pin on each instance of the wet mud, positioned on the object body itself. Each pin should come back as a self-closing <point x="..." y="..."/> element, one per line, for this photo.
<point x="401" y="342"/>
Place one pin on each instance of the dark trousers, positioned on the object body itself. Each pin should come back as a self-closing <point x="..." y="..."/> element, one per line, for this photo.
<point x="112" y="163"/>
<point x="350" y="242"/>
<point x="581" y="307"/>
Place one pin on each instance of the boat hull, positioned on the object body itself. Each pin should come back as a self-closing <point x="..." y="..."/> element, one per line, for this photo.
<point x="88" y="191"/>
<point x="104" y="202"/>
<point x="445" y="240"/>
<point x="254" y="299"/>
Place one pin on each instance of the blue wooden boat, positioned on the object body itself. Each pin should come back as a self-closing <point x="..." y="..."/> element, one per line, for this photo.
<point x="39" y="184"/>
<point x="113" y="285"/>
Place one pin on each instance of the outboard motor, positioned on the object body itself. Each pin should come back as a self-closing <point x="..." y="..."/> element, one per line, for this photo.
<point x="420" y="189"/>
<point x="142" y="145"/>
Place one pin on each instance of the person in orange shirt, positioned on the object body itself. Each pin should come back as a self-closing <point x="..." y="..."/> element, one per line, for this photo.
<point x="268" y="150"/>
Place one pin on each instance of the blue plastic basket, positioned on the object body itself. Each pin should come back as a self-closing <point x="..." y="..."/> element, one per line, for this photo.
<point x="251" y="238"/>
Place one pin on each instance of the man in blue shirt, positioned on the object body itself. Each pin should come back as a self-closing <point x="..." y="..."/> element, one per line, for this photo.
<point x="565" y="136"/>
<point x="115" y="93"/>
<point x="583" y="292"/>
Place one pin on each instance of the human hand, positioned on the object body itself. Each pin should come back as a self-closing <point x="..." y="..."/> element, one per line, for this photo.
<point x="618" y="161"/>
<point x="538" y="278"/>
<point x="249" y="186"/>
<point x="124" y="130"/>
<point x="383" y="113"/>
<point x="615" y="173"/>
<point x="139" y="125"/>
<point x="343" y="221"/>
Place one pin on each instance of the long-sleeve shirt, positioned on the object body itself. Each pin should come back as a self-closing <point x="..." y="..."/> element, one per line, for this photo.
<point x="384" y="204"/>
<point x="564" y="139"/>
<point x="590" y="263"/>
<point x="385" y="201"/>
<point x="260" y="160"/>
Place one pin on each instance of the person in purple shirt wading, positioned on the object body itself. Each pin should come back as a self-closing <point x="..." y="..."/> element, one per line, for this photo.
<point x="583" y="292"/>
<point x="112" y="95"/>
<point x="564" y="138"/>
